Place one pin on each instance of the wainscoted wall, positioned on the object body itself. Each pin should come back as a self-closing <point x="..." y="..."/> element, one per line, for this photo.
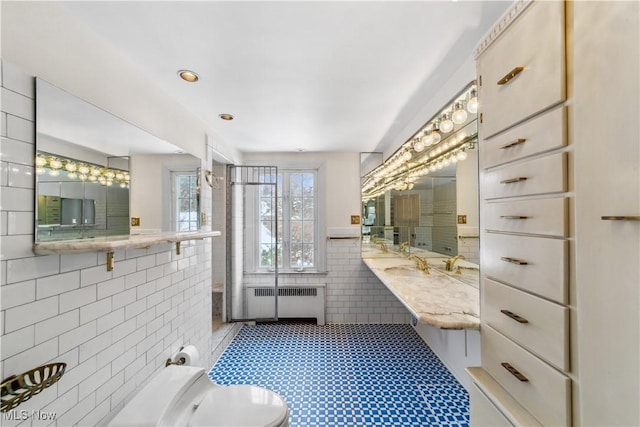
<point x="113" y="329"/>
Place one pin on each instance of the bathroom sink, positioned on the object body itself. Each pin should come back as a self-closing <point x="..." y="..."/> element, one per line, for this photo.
<point x="404" y="271"/>
<point x="467" y="272"/>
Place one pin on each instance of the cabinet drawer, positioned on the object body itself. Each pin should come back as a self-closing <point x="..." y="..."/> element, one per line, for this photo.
<point x="535" y="264"/>
<point x="538" y="176"/>
<point x="539" y="388"/>
<point x="543" y="133"/>
<point x="541" y="81"/>
<point x="536" y="324"/>
<point x="538" y="216"/>
<point x="483" y="412"/>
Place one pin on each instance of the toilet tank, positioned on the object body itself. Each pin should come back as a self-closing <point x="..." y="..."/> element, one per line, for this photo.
<point x="158" y="397"/>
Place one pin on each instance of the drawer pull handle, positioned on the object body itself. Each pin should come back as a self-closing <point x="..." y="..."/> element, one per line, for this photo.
<point x="514" y="316"/>
<point x="513" y="143"/>
<point x="510" y="76"/>
<point x="514" y="260"/>
<point x="513" y="217"/>
<point x="514" y="180"/>
<point x="621" y="218"/>
<point x="513" y="371"/>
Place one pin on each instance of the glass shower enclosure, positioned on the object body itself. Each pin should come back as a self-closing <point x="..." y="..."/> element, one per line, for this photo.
<point x="254" y="242"/>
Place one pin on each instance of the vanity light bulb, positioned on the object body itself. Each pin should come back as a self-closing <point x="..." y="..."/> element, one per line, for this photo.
<point x="406" y="156"/>
<point x="54" y="172"/>
<point x="435" y="136"/>
<point x="71" y="167"/>
<point x="110" y="174"/>
<point x="446" y="161"/>
<point x="93" y="178"/>
<point x="95" y="172"/>
<point x="446" y="125"/>
<point x="41" y="161"/>
<point x="459" y="115"/>
<point x="461" y="155"/>
<point x="72" y="175"/>
<point x="82" y="177"/>
<point x="119" y="176"/>
<point x="472" y="105"/>
<point x="123" y="185"/>
<point x="439" y="165"/>
<point x="433" y="167"/>
<point x="109" y="183"/>
<point x="55" y="164"/>
<point x="83" y="169"/>
<point x="427" y="140"/>
<point x="419" y="146"/>
<point x="40" y="171"/>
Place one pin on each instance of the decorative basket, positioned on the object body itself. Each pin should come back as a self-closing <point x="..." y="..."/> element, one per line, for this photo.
<point x="19" y="388"/>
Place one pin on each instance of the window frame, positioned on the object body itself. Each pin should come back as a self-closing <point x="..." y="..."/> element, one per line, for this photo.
<point x="284" y="246"/>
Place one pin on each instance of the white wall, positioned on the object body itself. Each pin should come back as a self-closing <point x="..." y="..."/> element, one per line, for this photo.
<point x="113" y="329"/>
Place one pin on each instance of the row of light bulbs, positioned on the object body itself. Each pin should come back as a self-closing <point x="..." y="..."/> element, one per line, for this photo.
<point x="55" y="165"/>
<point x="439" y="154"/>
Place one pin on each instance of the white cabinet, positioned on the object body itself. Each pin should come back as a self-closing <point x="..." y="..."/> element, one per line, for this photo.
<point x="525" y="210"/>
<point x="523" y="71"/>
<point x="575" y="359"/>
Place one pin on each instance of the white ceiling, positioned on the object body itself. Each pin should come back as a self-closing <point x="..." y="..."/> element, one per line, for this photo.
<point x="297" y="75"/>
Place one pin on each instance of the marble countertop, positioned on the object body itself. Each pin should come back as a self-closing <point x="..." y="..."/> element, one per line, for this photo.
<point x="443" y="299"/>
<point x="111" y="243"/>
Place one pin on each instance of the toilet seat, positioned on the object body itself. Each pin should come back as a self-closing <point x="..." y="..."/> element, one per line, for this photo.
<point x="240" y="405"/>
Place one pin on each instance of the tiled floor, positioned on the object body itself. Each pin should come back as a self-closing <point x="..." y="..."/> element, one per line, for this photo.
<point x="346" y="375"/>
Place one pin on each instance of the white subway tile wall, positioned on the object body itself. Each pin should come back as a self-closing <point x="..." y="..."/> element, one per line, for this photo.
<point x="353" y="293"/>
<point x="113" y="329"/>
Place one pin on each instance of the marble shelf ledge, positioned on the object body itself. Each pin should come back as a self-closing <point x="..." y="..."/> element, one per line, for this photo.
<point x="111" y="243"/>
<point x="437" y="299"/>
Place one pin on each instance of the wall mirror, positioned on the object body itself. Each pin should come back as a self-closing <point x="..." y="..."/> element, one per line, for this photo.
<point x="86" y="162"/>
<point x="424" y="197"/>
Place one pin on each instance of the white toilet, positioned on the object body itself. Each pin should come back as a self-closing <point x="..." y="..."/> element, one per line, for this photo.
<point x="185" y="396"/>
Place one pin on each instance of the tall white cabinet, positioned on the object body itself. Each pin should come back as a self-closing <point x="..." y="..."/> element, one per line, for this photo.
<point x="560" y="232"/>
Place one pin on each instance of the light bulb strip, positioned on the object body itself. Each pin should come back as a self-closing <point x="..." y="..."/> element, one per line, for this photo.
<point x="84" y="171"/>
<point x="431" y="128"/>
<point x="371" y="190"/>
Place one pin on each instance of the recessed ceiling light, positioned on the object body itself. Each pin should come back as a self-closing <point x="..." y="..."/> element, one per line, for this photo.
<point x="188" y="76"/>
<point x="225" y="116"/>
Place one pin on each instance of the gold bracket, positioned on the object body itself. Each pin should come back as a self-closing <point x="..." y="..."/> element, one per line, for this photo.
<point x="111" y="261"/>
<point x="178" y="248"/>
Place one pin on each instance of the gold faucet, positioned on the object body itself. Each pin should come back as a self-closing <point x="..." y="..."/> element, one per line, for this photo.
<point x="421" y="263"/>
<point x="383" y="247"/>
<point x="449" y="263"/>
<point x="403" y="247"/>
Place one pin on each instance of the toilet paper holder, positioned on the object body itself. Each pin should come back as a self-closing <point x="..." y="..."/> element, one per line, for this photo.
<point x="178" y="362"/>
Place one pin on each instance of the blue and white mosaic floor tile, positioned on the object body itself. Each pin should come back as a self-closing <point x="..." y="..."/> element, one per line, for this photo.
<point x="346" y="375"/>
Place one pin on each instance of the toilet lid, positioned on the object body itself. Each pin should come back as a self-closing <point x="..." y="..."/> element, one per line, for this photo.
<point x="240" y="405"/>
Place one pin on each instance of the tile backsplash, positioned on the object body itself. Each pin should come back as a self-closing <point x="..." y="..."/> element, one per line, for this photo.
<point x="113" y="329"/>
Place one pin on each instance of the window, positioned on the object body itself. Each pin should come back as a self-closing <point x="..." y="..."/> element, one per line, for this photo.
<point x="296" y="231"/>
<point x="186" y="211"/>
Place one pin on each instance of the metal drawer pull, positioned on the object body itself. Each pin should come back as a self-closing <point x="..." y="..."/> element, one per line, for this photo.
<point x="621" y="218"/>
<point x="513" y="217"/>
<point x="514" y="372"/>
<point x="514" y="260"/>
<point x="510" y="75"/>
<point x="514" y="316"/>
<point x="513" y="180"/>
<point x="513" y="143"/>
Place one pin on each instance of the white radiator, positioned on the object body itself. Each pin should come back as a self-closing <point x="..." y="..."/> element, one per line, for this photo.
<point x="294" y="301"/>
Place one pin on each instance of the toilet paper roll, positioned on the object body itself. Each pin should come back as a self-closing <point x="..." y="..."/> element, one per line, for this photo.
<point x="189" y="354"/>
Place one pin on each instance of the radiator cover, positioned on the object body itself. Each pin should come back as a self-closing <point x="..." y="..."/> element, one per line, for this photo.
<point x="293" y="302"/>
